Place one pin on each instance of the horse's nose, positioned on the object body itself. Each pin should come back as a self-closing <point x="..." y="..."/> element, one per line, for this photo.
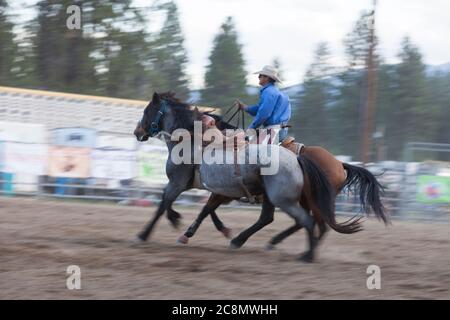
<point x="138" y="133"/>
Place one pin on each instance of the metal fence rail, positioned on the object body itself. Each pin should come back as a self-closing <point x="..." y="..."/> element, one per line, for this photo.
<point x="347" y="204"/>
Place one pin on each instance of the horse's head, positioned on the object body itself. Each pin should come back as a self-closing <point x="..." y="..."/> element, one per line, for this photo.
<point x="150" y="123"/>
<point x="164" y="113"/>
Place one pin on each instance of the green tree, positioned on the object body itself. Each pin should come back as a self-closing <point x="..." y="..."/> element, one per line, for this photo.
<point x="8" y="48"/>
<point x="128" y="74"/>
<point x="311" y="118"/>
<point x="357" y="43"/>
<point x="439" y="93"/>
<point x="276" y="62"/>
<point x="122" y="53"/>
<point x="62" y="55"/>
<point x="411" y="116"/>
<point x="169" y="56"/>
<point x="225" y="77"/>
<point x="352" y="88"/>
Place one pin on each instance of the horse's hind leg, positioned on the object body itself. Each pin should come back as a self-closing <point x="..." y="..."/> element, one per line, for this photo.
<point x="323" y="229"/>
<point x="219" y="224"/>
<point x="214" y="201"/>
<point x="283" y="235"/>
<point x="265" y="218"/>
<point x="303" y="218"/>
<point x="171" y="192"/>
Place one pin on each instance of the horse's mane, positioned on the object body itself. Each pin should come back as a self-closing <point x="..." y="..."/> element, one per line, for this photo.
<point x="184" y="114"/>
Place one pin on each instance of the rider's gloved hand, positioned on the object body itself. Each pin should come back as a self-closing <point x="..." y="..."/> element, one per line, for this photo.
<point x="239" y="104"/>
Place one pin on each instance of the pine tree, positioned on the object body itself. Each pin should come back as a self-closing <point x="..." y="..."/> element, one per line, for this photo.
<point x="356" y="42"/>
<point x="310" y="119"/>
<point x="8" y="48"/>
<point x="277" y="64"/>
<point x="411" y="114"/>
<point x="123" y="53"/>
<point x="63" y="59"/>
<point x="439" y="86"/>
<point x="128" y="74"/>
<point x="353" y="87"/>
<point x="169" y="56"/>
<point x="225" y="78"/>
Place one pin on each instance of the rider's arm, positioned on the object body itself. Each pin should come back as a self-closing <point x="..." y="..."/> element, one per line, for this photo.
<point x="265" y="109"/>
<point x="252" y="110"/>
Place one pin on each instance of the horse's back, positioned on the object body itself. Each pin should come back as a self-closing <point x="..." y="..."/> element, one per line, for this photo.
<point x="332" y="167"/>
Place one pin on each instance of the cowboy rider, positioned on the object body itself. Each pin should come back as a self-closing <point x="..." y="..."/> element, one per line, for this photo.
<point x="273" y="110"/>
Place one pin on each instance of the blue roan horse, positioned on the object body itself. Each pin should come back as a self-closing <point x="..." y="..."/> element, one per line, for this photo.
<point x="296" y="188"/>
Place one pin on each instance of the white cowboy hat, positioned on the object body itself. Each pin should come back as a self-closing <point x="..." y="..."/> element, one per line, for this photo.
<point x="269" y="71"/>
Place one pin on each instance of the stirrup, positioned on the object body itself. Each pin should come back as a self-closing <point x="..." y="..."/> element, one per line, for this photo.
<point x="250" y="197"/>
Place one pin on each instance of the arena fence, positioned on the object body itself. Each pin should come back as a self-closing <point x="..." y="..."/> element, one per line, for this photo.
<point x="405" y="204"/>
<point x="38" y="126"/>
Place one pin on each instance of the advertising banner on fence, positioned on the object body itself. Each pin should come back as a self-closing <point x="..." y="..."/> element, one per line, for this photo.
<point x="69" y="162"/>
<point x="114" y="164"/>
<point x="433" y="189"/>
<point x="74" y="137"/>
<point x="152" y="164"/>
<point x="115" y="142"/>
<point x="2" y="156"/>
<point x="23" y="132"/>
<point x="24" y="182"/>
<point x="25" y="158"/>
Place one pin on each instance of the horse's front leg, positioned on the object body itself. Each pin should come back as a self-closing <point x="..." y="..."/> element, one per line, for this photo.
<point x="173" y="216"/>
<point x="214" y="201"/>
<point x="265" y="218"/>
<point x="171" y="192"/>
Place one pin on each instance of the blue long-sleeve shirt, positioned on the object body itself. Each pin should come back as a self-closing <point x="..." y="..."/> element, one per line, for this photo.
<point x="273" y="107"/>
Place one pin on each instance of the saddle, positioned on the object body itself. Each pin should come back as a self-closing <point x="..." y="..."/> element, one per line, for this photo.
<point x="290" y="144"/>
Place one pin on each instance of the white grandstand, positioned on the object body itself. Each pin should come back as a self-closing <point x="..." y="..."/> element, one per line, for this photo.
<point x="56" y="110"/>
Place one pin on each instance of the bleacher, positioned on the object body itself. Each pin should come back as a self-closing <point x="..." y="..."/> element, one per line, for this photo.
<point x="57" y="110"/>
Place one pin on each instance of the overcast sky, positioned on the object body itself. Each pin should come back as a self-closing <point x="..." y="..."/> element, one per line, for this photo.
<point x="291" y="29"/>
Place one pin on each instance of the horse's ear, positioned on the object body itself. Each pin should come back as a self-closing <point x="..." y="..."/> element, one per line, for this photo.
<point x="197" y="114"/>
<point x="156" y="98"/>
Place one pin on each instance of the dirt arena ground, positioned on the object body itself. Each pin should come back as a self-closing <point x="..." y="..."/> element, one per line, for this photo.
<point x="40" y="239"/>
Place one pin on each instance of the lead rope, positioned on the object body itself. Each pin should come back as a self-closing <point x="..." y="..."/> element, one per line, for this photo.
<point x="237" y="169"/>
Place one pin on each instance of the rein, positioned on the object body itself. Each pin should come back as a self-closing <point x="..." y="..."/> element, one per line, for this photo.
<point x="239" y="112"/>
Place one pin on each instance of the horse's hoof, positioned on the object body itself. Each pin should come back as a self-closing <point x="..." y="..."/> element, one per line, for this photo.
<point x="270" y="246"/>
<point x="227" y="232"/>
<point x="183" y="239"/>
<point x="306" y="257"/>
<point x="138" y="240"/>
<point x="175" y="224"/>
<point x="174" y="219"/>
<point x="233" y="246"/>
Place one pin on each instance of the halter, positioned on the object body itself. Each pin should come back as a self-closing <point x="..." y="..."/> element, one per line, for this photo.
<point x="154" y="126"/>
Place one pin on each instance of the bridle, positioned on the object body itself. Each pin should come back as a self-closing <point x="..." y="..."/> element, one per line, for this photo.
<point x="154" y="126"/>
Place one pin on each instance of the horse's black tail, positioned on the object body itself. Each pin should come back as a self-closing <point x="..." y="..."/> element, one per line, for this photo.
<point x="323" y="195"/>
<point x="370" y="190"/>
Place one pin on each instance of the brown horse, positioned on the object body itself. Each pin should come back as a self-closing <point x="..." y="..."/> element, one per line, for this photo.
<point x="340" y="175"/>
